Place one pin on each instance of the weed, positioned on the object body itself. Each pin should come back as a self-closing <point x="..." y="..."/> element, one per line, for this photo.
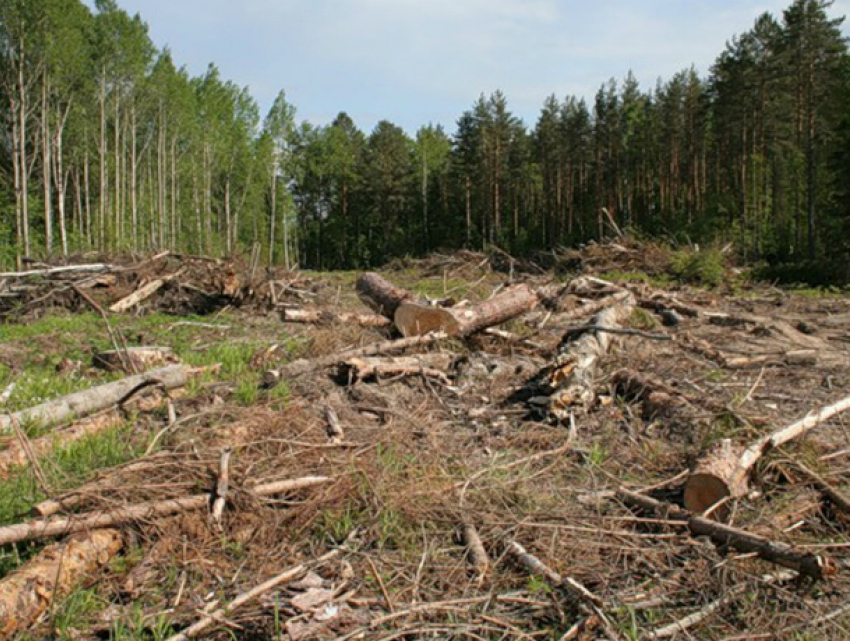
<point x="75" y="611"/>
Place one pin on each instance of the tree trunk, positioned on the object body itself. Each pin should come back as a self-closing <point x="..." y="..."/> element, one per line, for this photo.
<point x="380" y="294"/>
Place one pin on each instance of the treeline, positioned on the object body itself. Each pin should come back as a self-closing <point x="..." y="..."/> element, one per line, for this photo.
<point x="107" y="145"/>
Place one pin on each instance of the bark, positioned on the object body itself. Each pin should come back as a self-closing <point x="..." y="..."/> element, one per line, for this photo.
<point x="725" y="471"/>
<point x="475" y="548"/>
<point x="572" y="376"/>
<point x="381" y="295"/>
<point x="814" y="566"/>
<point x="27" y="593"/>
<point x="45" y="528"/>
<point x="97" y="398"/>
<point x="506" y="305"/>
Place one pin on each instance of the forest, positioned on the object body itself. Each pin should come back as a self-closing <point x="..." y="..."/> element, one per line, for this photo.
<point x="109" y="145"/>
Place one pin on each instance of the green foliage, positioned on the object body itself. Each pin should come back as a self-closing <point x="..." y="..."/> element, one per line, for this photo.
<point x="699" y="267"/>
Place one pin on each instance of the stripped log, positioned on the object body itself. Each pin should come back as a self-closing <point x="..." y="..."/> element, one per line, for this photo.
<point x="142" y="294"/>
<point x="430" y="365"/>
<point x="55" y="271"/>
<point x="812" y="565"/>
<point x="381" y="295"/>
<point x="97" y="398"/>
<point x="725" y="470"/>
<point x="28" y="592"/>
<point x="325" y="317"/>
<point x="46" y="528"/>
<point x="297" y="368"/>
<point x="572" y="376"/>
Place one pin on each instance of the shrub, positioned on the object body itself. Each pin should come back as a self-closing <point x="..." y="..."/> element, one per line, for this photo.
<point x="700" y="267"/>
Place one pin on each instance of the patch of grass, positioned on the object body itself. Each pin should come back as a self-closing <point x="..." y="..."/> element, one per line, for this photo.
<point x="76" y="611"/>
<point x="642" y="319"/>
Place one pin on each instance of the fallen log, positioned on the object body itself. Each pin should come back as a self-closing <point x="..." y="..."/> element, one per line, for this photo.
<point x="725" y="470"/>
<point x="573" y="374"/>
<point x="297" y="368"/>
<point x="478" y="557"/>
<point x="46" y="528"/>
<point x="512" y="302"/>
<point x="28" y="592"/>
<point x="324" y="317"/>
<point x="97" y="398"/>
<point x="138" y="296"/>
<point x="54" y="271"/>
<point x="812" y="565"/>
<point x="380" y="294"/>
<point x="430" y="365"/>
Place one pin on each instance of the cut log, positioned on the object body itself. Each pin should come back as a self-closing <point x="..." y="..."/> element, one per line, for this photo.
<point x="297" y="368"/>
<point x="812" y="565"/>
<point x="475" y="549"/>
<point x="140" y="358"/>
<point x="512" y="302"/>
<point x="97" y="398"/>
<point x="28" y="592"/>
<point x="431" y="365"/>
<point x="725" y="471"/>
<point x="714" y="478"/>
<point x="46" y="528"/>
<point x="381" y="295"/>
<point x="324" y="317"/>
<point x="140" y="295"/>
<point x="572" y="376"/>
<point x="413" y="319"/>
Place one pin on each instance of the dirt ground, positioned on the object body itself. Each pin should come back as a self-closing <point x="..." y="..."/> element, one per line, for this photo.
<point x="420" y="460"/>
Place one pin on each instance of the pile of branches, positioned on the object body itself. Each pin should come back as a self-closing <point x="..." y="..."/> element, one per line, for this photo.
<point x="381" y="504"/>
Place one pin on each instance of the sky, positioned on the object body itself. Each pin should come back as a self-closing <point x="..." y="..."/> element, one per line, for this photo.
<point x="415" y="62"/>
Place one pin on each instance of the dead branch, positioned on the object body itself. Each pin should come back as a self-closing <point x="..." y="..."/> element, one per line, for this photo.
<point x="725" y="471"/>
<point x="45" y="528"/>
<point x="27" y="593"/>
<point x="221" y="487"/>
<point x="140" y="295"/>
<point x="97" y="398"/>
<point x="54" y="271"/>
<point x="208" y="620"/>
<point x="814" y="566"/>
<point x="325" y="317"/>
<point x="335" y="431"/>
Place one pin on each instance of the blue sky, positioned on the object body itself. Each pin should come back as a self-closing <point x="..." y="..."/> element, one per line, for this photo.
<point x="419" y="61"/>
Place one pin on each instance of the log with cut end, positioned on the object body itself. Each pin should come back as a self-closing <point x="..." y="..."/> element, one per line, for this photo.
<point x="414" y="319"/>
<point x="46" y="528"/>
<point x="95" y="399"/>
<point x="573" y="374"/>
<point x="380" y="294"/>
<point x="725" y="471"/>
<point x="714" y="478"/>
<point x="28" y="592"/>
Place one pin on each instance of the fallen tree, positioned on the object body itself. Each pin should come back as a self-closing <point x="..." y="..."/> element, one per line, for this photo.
<point x="95" y="399"/>
<point x="572" y="375"/>
<point x="724" y="471"/>
<point x="27" y="593"/>
<point x="324" y="317"/>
